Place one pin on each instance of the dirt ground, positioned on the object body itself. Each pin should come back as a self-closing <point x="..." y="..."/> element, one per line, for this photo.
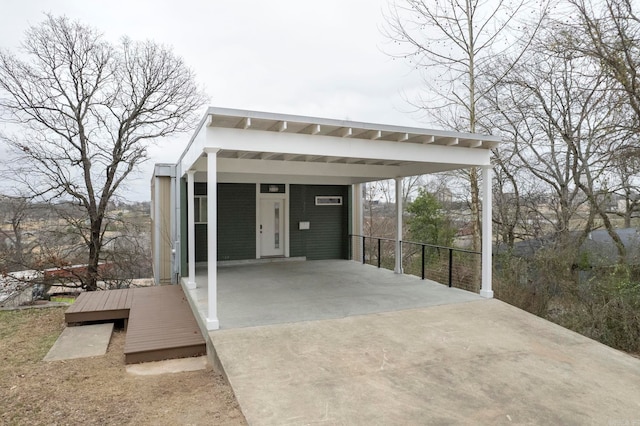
<point x="97" y="390"/>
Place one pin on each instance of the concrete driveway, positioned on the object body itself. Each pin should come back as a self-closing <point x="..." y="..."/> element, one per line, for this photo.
<point x="475" y="362"/>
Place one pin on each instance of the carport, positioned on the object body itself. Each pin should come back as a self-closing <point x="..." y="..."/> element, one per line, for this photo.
<point x="276" y="171"/>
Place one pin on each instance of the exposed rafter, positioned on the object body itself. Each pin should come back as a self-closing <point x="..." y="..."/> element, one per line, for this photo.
<point x="291" y="124"/>
<point x="268" y="155"/>
<point x="279" y="126"/>
<point x="312" y="129"/>
<point x="342" y="132"/>
<point x="292" y="157"/>
<point x="245" y="123"/>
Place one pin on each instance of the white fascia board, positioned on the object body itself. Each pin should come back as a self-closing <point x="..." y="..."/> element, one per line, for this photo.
<point x="195" y="149"/>
<point x="301" y="144"/>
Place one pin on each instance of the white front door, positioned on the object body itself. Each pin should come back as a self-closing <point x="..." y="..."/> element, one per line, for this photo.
<point x="271" y="227"/>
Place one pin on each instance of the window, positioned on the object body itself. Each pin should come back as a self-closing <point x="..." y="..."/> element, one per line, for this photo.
<point x="200" y="208"/>
<point x="328" y="200"/>
<point x="273" y="188"/>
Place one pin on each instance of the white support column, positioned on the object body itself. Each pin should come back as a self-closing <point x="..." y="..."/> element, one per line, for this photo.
<point x="398" y="268"/>
<point x="191" y="229"/>
<point x="212" y="239"/>
<point x="487" y="233"/>
<point x="357" y="221"/>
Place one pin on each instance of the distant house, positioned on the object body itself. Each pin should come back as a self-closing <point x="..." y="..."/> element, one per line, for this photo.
<point x="258" y="185"/>
<point x="16" y="288"/>
<point x="600" y="249"/>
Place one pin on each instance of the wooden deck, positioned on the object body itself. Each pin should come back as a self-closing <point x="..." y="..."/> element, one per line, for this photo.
<point x="100" y="306"/>
<point x="160" y="322"/>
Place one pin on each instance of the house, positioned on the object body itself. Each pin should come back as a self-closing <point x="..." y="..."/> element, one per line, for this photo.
<point x="17" y="288"/>
<point x="287" y="186"/>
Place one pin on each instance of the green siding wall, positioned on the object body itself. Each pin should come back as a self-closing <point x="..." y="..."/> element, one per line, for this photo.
<point x="327" y="236"/>
<point x="201" y="242"/>
<point x="236" y="221"/>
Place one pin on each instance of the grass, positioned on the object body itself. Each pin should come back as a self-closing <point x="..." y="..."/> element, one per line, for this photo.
<point x="97" y="390"/>
<point x="64" y="299"/>
<point x="32" y="330"/>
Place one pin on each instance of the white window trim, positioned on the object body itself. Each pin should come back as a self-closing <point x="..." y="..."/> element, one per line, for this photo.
<point x="201" y="216"/>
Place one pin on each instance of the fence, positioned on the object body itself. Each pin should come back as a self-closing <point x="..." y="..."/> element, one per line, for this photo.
<point x="447" y="265"/>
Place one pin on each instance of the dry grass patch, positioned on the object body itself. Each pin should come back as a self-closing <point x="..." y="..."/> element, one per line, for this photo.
<point x="97" y="390"/>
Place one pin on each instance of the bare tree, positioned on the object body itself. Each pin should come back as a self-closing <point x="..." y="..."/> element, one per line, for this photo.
<point x="453" y="42"/>
<point x="88" y="110"/>
<point x="626" y="170"/>
<point x="13" y="214"/>
<point x="562" y="117"/>
<point x="609" y="32"/>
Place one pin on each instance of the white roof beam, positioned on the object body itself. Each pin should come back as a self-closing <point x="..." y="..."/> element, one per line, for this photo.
<point x="403" y="137"/>
<point x="475" y="144"/>
<point x="293" y="143"/>
<point x="377" y="134"/>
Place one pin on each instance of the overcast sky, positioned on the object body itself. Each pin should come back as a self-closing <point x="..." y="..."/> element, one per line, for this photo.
<point x="320" y="58"/>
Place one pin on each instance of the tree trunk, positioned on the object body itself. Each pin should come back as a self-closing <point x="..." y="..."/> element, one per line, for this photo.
<point x="93" y="274"/>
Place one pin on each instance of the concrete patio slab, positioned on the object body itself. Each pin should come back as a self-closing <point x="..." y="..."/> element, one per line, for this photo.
<point x="81" y="342"/>
<point x="479" y="362"/>
<point x="283" y="292"/>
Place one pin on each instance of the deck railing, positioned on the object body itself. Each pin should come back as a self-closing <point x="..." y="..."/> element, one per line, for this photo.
<point x="447" y="265"/>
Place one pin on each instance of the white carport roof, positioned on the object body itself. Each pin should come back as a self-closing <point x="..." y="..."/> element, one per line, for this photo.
<point x="257" y="146"/>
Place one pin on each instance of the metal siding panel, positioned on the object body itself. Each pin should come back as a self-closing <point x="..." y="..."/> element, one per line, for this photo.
<point x="327" y="236"/>
<point x="236" y="221"/>
<point x="165" y="226"/>
<point x="236" y="224"/>
<point x="201" y="242"/>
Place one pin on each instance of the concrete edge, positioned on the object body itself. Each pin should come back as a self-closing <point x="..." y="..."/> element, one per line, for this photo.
<point x="212" y="356"/>
<point x="169" y="366"/>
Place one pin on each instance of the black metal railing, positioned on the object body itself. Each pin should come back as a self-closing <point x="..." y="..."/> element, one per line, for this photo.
<point x="447" y="265"/>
